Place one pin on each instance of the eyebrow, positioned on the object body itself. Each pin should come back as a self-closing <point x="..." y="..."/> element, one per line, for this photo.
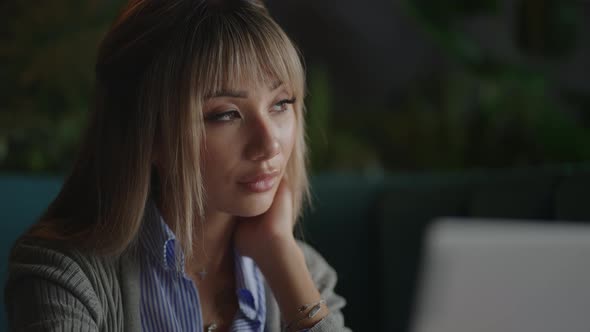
<point x="240" y="93"/>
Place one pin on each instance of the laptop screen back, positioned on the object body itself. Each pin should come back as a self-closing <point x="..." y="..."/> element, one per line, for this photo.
<point x="504" y="276"/>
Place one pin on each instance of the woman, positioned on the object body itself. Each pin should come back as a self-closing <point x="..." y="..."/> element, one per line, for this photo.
<point x="178" y="214"/>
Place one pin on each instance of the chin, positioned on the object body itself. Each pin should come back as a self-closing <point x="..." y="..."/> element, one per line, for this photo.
<point x="255" y="209"/>
<point x="254" y="206"/>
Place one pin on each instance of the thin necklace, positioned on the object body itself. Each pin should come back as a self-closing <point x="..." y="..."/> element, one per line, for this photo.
<point x="202" y="273"/>
<point x="212" y="327"/>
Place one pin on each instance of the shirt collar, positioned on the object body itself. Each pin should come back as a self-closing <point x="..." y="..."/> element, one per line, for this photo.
<point x="159" y="242"/>
<point x="249" y="288"/>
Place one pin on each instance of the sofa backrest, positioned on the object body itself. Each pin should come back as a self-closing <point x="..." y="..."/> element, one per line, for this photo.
<point x="370" y="228"/>
<point x="22" y="200"/>
<point x="409" y="204"/>
<point x="341" y="225"/>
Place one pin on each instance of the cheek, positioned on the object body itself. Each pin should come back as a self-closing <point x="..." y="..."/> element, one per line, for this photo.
<point x="287" y="136"/>
<point x="218" y="154"/>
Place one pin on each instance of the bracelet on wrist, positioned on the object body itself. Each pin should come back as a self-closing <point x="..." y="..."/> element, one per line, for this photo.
<point x="304" y="314"/>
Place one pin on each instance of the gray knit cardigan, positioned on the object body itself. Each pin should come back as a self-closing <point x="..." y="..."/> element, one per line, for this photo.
<point x="53" y="289"/>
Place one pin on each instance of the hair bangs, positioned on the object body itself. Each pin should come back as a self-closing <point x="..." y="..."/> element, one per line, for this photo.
<point x="246" y="50"/>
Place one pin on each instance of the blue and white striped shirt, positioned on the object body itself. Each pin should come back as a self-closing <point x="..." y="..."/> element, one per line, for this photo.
<point x="170" y="299"/>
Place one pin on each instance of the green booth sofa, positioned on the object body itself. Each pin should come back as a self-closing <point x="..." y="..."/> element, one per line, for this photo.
<point x="370" y="227"/>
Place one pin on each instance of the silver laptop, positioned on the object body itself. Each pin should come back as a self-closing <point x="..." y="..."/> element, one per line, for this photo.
<point x="504" y="276"/>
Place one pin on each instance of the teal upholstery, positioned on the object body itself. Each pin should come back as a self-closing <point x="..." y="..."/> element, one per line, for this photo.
<point x="549" y="194"/>
<point x="370" y="228"/>
<point x="22" y="200"/>
<point x="572" y="198"/>
<point x="340" y="226"/>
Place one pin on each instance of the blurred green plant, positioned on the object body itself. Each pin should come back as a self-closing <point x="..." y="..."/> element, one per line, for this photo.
<point x="331" y="144"/>
<point x="46" y="79"/>
<point x="493" y="111"/>
<point x="481" y="111"/>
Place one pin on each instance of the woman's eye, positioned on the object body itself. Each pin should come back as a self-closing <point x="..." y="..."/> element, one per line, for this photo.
<point x="223" y="116"/>
<point x="283" y="105"/>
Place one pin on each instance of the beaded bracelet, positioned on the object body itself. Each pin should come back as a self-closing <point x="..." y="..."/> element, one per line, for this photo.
<point x="315" y="308"/>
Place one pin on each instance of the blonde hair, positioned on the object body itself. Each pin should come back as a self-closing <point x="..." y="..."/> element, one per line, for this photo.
<point x="155" y="67"/>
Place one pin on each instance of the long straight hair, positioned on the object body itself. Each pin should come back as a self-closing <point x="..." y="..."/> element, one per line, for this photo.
<point x="155" y="67"/>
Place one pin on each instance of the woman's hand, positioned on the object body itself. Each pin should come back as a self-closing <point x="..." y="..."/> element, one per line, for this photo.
<point x="268" y="239"/>
<point x="254" y="236"/>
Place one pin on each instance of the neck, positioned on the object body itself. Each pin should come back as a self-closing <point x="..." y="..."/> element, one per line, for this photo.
<point x="213" y="244"/>
<point x="213" y="249"/>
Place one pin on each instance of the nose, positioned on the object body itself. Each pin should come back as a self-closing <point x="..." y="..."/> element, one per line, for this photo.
<point x="263" y="144"/>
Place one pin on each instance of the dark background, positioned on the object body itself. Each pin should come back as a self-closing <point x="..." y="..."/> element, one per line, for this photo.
<point x="393" y="85"/>
<point x="491" y="92"/>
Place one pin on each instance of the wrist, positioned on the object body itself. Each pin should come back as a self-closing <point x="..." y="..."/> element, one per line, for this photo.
<point x="284" y="268"/>
<point x="277" y="248"/>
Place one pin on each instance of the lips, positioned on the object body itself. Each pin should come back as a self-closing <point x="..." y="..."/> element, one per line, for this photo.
<point x="259" y="182"/>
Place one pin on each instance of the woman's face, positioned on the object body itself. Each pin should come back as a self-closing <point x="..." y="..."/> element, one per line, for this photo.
<point x="250" y="133"/>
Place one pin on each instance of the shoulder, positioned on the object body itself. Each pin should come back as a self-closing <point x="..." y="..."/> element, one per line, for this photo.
<point x="323" y="275"/>
<point x="325" y="279"/>
<point x="55" y="262"/>
<point x="50" y="260"/>
<point x="317" y="265"/>
<point x="39" y="270"/>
